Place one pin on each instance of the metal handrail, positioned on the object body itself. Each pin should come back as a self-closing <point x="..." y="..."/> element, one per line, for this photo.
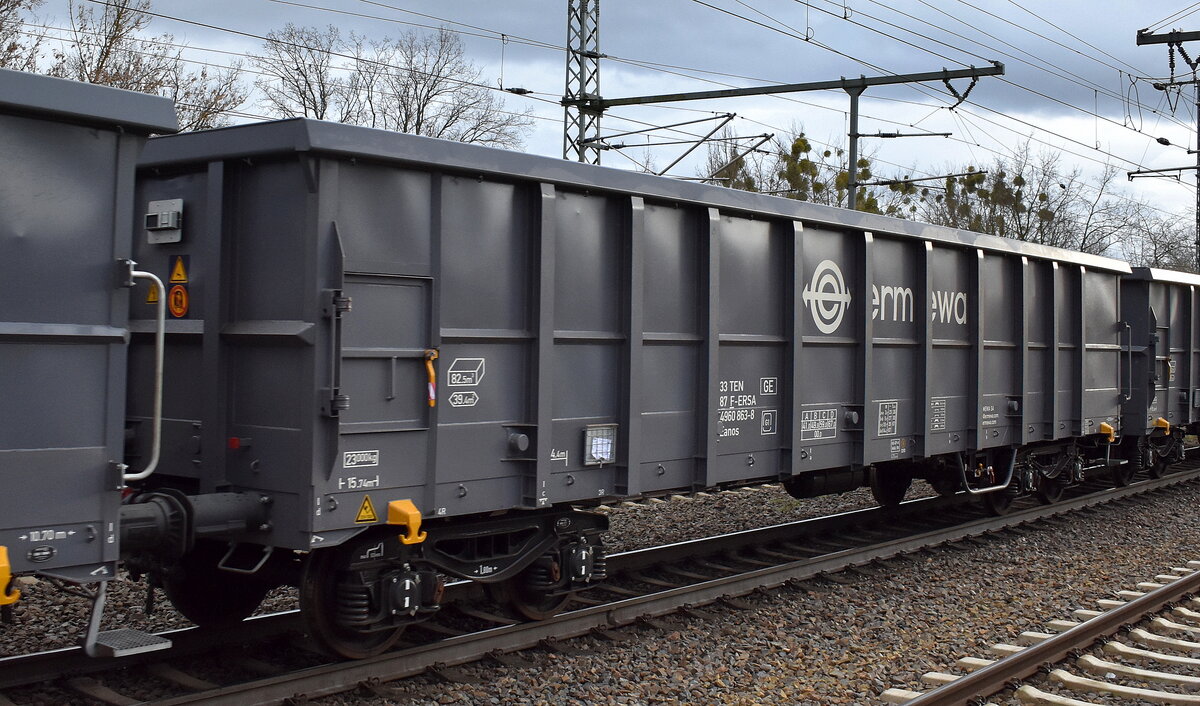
<point x="1128" y="395"/>
<point x="962" y="466"/>
<point x="159" y="346"/>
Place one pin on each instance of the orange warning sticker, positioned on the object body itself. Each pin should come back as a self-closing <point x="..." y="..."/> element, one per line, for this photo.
<point x="177" y="301"/>
<point x="366" y="511"/>
<point x="178" y="270"/>
<point x="152" y="295"/>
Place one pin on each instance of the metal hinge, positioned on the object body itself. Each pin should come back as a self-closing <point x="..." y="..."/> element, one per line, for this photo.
<point x="336" y="304"/>
<point x="115" y="480"/>
<point x="125" y="268"/>
<point x="335" y="403"/>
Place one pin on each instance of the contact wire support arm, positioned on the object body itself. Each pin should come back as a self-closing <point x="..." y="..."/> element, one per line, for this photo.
<point x="160" y="326"/>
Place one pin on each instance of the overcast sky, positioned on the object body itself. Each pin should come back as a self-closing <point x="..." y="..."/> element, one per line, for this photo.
<point x="1075" y="79"/>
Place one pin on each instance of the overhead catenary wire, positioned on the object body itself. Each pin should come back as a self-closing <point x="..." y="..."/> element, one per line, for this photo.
<point x="939" y="55"/>
<point x="1034" y="61"/>
<point x="1173" y="17"/>
<point x="797" y="36"/>
<point x="622" y="118"/>
<point x="491" y="34"/>
<point x="242" y="69"/>
<point x="926" y="91"/>
<point x="496" y="34"/>
<point x="1082" y="41"/>
<point x="993" y="122"/>
<point x="918" y="88"/>
<point x="262" y="38"/>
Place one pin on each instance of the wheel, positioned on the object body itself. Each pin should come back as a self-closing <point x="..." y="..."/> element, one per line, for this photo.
<point x="1122" y="475"/>
<point x="1049" y="490"/>
<point x="531" y="604"/>
<point x="1158" y="469"/>
<point x="528" y="594"/>
<point x="945" y="486"/>
<point x="889" y="487"/>
<point x="318" y="606"/>
<point x="207" y="595"/>
<point x="998" y="502"/>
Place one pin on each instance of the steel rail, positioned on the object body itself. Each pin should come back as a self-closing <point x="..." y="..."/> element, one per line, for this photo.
<point x="998" y="675"/>
<point x="336" y="678"/>
<point x="21" y="670"/>
<point x="27" y="669"/>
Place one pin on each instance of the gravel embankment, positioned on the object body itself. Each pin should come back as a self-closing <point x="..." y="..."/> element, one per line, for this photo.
<point x="838" y="645"/>
<point x="635" y="526"/>
<point x="846" y="644"/>
<point x="46" y="619"/>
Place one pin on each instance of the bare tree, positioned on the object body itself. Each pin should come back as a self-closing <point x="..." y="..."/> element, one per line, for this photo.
<point x="430" y="88"/>
<point x="298" y="74"/>
<point x="109" y="48"/>
<point x="1031" y="197"/>
<point x="204" y="98"/>
<point x="794" y="168"/>
<point x="419" y="83"/>
<point x="726" y="165"/>
<point x="18" y="50"/>
<point x="1161" y="241"/>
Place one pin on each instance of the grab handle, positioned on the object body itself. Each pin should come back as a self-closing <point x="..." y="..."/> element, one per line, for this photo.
<point x="1127" y="392"/>
<point x="159" y="346"/>
<point x="980" y="491"/>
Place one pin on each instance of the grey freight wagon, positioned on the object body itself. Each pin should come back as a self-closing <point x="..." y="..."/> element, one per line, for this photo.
<point x="67" y="157"/>
<point x="419" y="356"/>
<point x="1162" y="392"/>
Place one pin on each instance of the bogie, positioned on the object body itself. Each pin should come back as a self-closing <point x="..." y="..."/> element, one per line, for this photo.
<point x="357" y="599"/>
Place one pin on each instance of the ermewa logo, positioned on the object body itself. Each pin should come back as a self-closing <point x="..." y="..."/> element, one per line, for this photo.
<point x="826" y="296"/>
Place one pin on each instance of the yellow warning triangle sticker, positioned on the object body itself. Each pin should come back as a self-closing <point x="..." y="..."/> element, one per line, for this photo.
<point x="178" y="273"/>
<point x="366" y="511"/>
<point x="152" y="296"/>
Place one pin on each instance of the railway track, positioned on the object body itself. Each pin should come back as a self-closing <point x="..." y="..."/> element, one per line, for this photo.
<point x="646" y="585"/>
<point x="1155" y="659"/>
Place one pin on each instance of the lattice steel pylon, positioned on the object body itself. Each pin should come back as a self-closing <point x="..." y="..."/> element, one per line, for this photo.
<point x="581" y="121"/>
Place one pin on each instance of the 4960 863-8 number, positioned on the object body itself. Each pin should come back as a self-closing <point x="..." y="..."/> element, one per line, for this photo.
<point x="736" y="415"/>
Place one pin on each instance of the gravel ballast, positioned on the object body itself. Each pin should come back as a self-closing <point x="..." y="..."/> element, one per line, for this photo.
<point x="846" y="644"/>
<point x="835" y="644"/>
<point x="59" y="618"/>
